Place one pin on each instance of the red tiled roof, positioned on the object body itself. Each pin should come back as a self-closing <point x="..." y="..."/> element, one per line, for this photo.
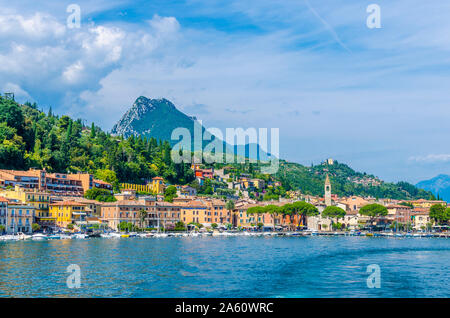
<point x="68" y="203"/>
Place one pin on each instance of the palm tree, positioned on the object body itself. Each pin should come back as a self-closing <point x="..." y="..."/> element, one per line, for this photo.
<point x="142" y="216"/>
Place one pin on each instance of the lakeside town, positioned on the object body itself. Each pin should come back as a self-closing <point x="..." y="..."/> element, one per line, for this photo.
<point x="35" y="204"/>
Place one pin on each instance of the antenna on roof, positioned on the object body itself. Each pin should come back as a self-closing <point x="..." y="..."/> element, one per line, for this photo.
<point x="9" y="96"/>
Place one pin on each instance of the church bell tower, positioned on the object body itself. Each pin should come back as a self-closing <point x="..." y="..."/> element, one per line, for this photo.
<point x="327" y="191"/>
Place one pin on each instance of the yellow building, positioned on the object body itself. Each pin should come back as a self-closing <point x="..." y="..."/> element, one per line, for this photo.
<point x="205" y="212"/>
<point x="258" y="183"/>
<point x="137" y="187"/>
<point x="157" y="185"/>
<point x="422" y="203"/>
<point x="38" y="199"/>
<point x="68" y="212"/>
<point x="242" y="219"/>
<point x="196" y="212"/>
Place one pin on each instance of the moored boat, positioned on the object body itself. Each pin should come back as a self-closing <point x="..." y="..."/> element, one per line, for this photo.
<point x="38" y="237"/>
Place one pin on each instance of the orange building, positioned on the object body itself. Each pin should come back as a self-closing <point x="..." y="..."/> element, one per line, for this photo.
<point x="56" y="183"/>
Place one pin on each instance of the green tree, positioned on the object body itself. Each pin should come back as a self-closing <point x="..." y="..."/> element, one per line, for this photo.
<point x="180" y="226"/>
<point x="93" y="134"/>
<point x="170" y="193"/>
<point x="98" y="194"/>
<point x="142" y="216"/>
<point x="274" y="210"/>
<point x="2" y="229"/>
<point x="334" y="212"/>
<point x="439" y="213"/>
<point x="35" y="227"/>
<point x="373" y="211"/>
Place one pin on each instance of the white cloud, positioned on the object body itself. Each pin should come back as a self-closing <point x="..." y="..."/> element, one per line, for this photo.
<point x="73" y="73"/>
<point x="431" y="158"/>
<point x="37" y="27"/>
<point x="164" y="26"/>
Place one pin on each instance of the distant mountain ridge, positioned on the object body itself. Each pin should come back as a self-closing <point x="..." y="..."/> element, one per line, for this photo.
<point x="158" y="118"/>
<point x="153" y="118"/>
<point x="439" y="185"/>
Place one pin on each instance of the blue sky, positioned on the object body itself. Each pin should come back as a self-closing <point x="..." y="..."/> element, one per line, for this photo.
<point x="376" y="99"/>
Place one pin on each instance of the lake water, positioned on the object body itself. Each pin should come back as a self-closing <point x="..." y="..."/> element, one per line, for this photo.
<point x="227" y="267"/>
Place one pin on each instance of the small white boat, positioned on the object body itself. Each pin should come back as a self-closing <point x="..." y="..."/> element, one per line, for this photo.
<point x="10" y="238"/>
<point x="65" y="237"/>
<point x="145" y="235"/>
<point x="39" y="237"/>
<point x="80" y="236"/>
<point x="23" y="236"/>
<point x="161" y="235"/>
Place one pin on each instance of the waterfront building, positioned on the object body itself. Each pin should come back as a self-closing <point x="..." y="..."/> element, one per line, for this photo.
<point x="195" y="211"/>
<point x="20" y="217"/>
<point x="3" y="212"/>
<point x="353" y="203"/>
<point x="421" y="221"/>
<point x="350" y="220"/>
<point x="243" y="219"/>
<point x="168" y="213"/>
<point x="68" y="212"/>
<point x="55" y="183"/>
<point x="113" y="213"/>
<point x="399" y="213"/>
<point x="39" y="199"/>
<point x="317" y="222"/>
<point x="218" y="213"/>
<point x="92" y="208"/>
<point x="164" y="214"/>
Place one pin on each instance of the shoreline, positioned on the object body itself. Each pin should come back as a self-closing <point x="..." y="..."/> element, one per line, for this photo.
<point x="116" y="235"/>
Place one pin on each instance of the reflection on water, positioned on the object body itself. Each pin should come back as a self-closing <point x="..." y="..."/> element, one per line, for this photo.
<point x="227" y="267"/>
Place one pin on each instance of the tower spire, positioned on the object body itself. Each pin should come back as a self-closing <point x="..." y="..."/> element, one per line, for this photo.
<point x="327" y="191"/>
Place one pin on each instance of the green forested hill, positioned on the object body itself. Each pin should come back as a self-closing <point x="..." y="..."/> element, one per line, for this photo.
<point x="345" y="182"/>
<point x="31" y="138"/>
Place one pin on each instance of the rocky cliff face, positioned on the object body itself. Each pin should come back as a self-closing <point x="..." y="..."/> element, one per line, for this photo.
<point x="152" y="118"/>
